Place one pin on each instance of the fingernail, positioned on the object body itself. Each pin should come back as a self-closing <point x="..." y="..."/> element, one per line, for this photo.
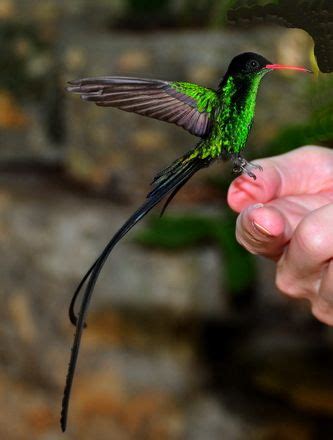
<point x="262" y="230"/>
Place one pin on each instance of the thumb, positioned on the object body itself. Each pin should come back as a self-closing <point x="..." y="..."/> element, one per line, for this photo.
<point x="263" y="230"/>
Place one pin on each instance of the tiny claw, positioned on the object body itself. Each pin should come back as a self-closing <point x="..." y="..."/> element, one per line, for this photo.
<point x="249" y="173"/>
<point x="241" y="165"/>
<point x="259" y="167"/>
<point x="253" y="165"/>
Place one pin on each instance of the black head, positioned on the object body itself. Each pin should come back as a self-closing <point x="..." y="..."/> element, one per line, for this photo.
<point x="251" y="64"/>
<point x="248" y="63"/>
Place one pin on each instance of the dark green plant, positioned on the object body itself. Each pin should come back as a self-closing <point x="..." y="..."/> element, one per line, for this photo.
<point x="179" y="232"/>
<point x="318" y="129"/>
<point x="19" y="44"/>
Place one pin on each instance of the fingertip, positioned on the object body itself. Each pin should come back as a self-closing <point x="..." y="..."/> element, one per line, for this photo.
<point x="243" y="192"/>
<point x="269" y="220"/>
<point x="262" y="230"/>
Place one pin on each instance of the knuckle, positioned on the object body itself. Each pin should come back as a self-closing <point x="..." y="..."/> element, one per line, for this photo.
<point x="323" y="311"/>
<point x="287" y="285"/>
<point x="321" y="156"/>
<point x="312" y="151"/>
<point x="311" y="237"/>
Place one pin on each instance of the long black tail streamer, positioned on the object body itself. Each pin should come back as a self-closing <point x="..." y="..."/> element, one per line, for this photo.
<point x="171" y="180"/>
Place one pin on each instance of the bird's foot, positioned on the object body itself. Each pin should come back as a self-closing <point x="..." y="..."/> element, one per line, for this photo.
<point x="241" y="165"/>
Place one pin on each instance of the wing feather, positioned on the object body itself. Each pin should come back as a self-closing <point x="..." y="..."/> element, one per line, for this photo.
<point x="184" y="104"/>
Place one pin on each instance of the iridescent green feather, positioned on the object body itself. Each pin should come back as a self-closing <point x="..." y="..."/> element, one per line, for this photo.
<point x="206" y="99"/>
<point x="232" y="112"/>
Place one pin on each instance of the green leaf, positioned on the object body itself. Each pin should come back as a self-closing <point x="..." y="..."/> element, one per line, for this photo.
<point x="191" y="231"/>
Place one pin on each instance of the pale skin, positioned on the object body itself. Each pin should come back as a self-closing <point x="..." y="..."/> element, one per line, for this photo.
<point x="286" y="214"/>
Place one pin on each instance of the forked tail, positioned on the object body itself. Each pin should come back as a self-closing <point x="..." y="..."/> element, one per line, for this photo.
<point x="169" y="181"/>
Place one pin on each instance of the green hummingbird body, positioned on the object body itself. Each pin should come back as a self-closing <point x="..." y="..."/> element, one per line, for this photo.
<point x="232" y="110"/>
<point x="235" y="114"/>
<point x="221" y="118"/>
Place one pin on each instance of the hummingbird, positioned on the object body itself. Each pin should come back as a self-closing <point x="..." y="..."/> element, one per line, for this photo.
<point x="221" y="119"/>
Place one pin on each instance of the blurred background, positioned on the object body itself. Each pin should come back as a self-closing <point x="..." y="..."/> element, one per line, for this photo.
<point x="187" y="336"/>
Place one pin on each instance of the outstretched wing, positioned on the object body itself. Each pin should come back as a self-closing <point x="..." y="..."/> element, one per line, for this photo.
<point x="185" y="104"/>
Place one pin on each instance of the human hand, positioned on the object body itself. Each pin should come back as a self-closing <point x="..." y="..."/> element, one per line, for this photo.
<point x="287" y="216"/>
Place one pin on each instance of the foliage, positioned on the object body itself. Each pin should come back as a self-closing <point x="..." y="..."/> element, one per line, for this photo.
<point x="28" y="73"/>
<point x="150" y="14"/>
<point x="20" y="44"/>
<point x="318" y="129"/>
<point x="179" y="232"/>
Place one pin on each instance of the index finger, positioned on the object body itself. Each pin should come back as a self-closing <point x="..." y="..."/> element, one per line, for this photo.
<point x="306" y="170"/>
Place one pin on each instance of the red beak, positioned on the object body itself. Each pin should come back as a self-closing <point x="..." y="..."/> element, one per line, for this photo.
<point x="282" y="66"/>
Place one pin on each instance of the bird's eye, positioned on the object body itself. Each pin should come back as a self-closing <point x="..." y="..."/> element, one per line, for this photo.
<point x="254" y="64"/>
